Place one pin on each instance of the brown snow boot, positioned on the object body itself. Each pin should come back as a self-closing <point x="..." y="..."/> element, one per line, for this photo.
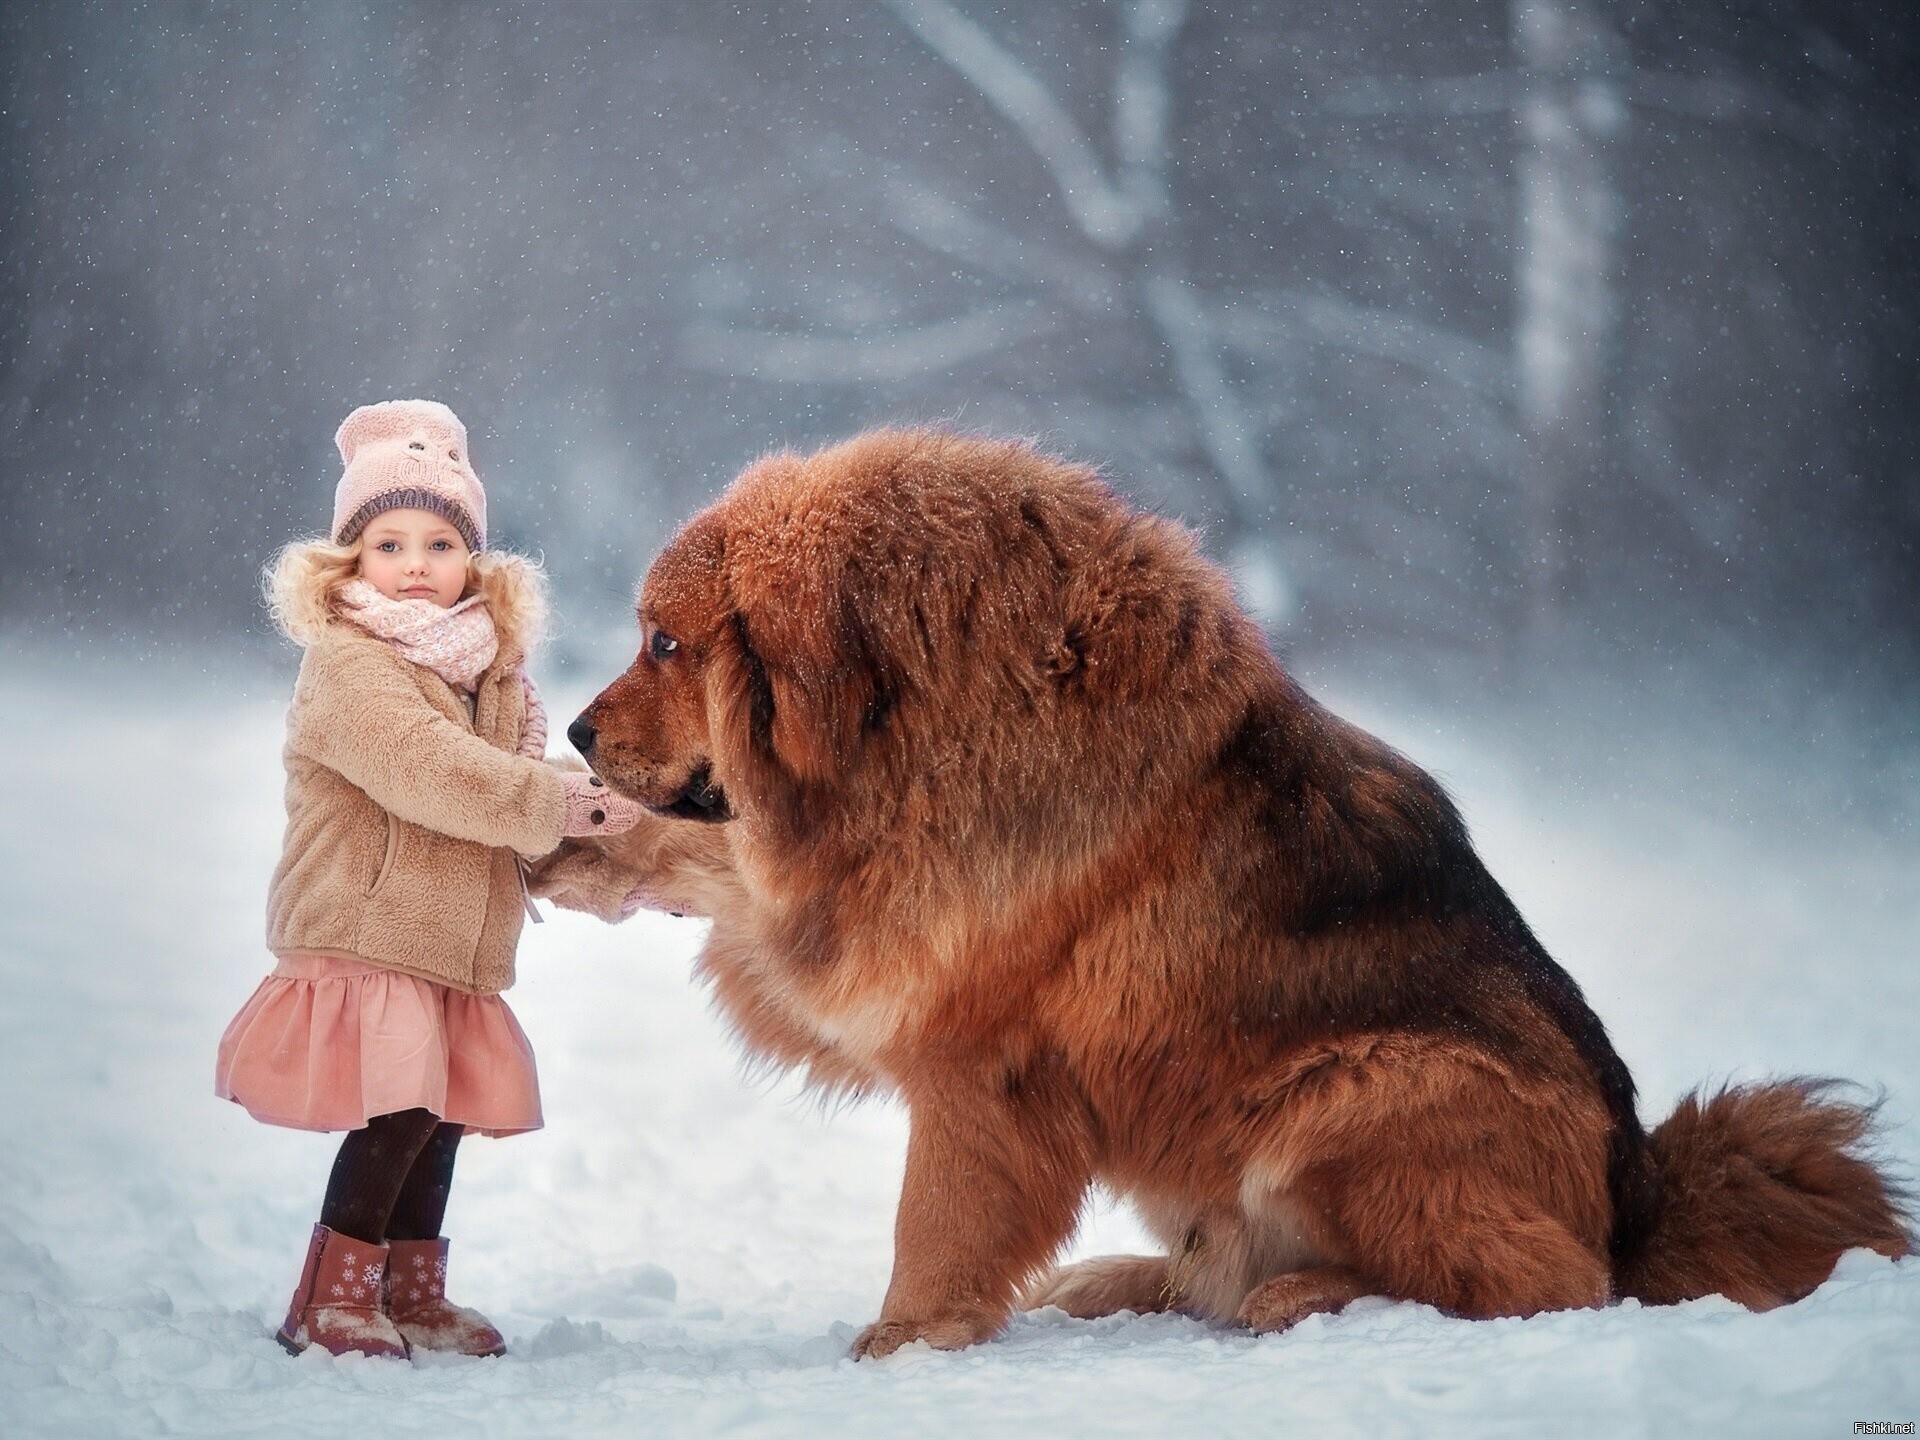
<point x="417" y="1301"/>
<point x="338" y="1305"/>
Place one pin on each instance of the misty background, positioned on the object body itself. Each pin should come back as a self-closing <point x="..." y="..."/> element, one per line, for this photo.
<point x="1545" y="370"/>
<point x="1494" y="343"/>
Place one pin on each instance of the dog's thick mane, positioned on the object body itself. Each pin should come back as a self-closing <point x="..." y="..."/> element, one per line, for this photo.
<point x="1093" y="606"/>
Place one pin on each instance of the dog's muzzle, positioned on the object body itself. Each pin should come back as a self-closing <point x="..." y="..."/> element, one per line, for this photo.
<point x="701" y="800"/>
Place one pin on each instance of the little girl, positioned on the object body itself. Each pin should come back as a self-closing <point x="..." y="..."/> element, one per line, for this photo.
<point x="415" y="782"/>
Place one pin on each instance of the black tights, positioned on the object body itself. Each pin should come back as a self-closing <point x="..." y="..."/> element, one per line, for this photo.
<point x="390" y="1180"/>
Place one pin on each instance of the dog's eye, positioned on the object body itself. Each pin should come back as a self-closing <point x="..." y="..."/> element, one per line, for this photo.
<point x="663" y="645"/>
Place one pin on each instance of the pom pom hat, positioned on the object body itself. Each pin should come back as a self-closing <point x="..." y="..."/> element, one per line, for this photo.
<point x="407" y="455"/>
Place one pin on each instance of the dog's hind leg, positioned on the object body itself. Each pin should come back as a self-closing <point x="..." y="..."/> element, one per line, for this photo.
<point x="1286" y="1300"/>
<point x="1105" y="1285"/>
<point x="1449" y="1177"/>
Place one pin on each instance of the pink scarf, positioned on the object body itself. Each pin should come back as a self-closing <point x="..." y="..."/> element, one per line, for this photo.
<point x="457" y="642"/>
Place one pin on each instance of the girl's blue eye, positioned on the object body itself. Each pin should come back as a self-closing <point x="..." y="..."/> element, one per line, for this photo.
<point x="388" y="546"/>
<point x="441" y="545"/>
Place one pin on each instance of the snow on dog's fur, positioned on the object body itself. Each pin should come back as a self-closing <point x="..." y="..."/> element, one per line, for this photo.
<point x="1000" y="802"/>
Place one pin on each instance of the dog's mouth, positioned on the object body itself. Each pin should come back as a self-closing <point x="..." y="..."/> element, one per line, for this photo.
<point x="701" y="799"/>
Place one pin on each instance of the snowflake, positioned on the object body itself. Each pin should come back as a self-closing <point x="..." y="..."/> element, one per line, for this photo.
<point x="440" y="1268"/>
<point x="372" y="1274"/>
<point x="348" y="1260"/>
<point x="338" y="1291"/>
<point x="419" y="1262"/>
<point x="359" y="1292"/>
<point x="413" y="1294"/>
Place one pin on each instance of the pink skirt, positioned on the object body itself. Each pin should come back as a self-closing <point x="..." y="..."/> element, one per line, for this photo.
<point x="327" y="1043"/>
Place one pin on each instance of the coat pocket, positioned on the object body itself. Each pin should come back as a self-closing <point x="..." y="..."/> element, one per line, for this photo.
<point x="386" y="860"/>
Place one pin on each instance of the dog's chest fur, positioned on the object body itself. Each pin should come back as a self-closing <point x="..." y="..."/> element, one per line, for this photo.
<point x="876" y="998"/>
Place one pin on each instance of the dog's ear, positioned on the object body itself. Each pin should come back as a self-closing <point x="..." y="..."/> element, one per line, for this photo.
<point x="782" y="688"/>
<point x="1140" y="612"/>
<point x="795" y="676"/>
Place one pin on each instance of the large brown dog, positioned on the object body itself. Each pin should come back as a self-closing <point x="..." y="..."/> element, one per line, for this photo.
<point x="1009" y="808"/>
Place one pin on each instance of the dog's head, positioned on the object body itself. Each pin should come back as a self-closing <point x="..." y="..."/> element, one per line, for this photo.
<point x="649" y="733"/>
<point x="917" y="628"/>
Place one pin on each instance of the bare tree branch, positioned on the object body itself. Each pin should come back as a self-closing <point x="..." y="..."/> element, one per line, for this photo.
<point x="1711" y="99"/>
<point x="1226" y="434"/>
<point x="888" y="355"/>
<point x="1728" y="100"/>
<point x="1447" y="96"/>
<point x="1287" y="318"/>
<point x="949" y="228"/>
<point x="1142" y="102"/>
<point x="1104" y="214"/>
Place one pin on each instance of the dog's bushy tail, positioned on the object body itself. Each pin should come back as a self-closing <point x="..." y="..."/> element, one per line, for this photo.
<point x="1760" y="1190"/>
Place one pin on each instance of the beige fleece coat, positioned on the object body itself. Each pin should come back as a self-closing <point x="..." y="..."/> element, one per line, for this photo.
<point x="406" y="809"/>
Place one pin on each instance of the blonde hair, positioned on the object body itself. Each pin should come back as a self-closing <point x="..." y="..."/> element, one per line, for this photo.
<point x="302" y="585"/>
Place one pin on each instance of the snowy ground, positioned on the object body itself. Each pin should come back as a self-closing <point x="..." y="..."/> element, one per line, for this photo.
<point x="684" y="1252"/>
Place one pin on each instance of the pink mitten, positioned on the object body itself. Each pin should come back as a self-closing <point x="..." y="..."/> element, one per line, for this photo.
<point x="593" y="809"/>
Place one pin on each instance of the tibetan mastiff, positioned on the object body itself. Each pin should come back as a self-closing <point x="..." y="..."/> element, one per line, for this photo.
<point x="999" y="802"/>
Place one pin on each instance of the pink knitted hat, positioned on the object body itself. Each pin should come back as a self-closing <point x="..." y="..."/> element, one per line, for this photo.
<point x="407" y="455"/>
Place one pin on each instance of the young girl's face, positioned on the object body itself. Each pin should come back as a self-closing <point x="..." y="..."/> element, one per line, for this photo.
<point x="414" y="555"/>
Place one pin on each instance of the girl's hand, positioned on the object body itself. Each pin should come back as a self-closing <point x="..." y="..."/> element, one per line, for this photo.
<point x="593" y="809"/>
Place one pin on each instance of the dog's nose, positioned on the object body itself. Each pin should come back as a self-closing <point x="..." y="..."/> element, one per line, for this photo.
<point x="582" y="733"/>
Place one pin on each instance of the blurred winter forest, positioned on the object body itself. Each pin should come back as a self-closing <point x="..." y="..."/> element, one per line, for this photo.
<point x="1465" y="331"/>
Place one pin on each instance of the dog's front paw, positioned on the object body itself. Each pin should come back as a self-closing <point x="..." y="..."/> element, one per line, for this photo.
<point x="578" y="875"/>
<point x="954" y="1332"/>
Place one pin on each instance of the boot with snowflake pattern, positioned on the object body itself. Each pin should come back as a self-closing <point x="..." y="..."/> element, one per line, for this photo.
<point x="337" y="1305"/>
<point x="417" y="1300"/>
